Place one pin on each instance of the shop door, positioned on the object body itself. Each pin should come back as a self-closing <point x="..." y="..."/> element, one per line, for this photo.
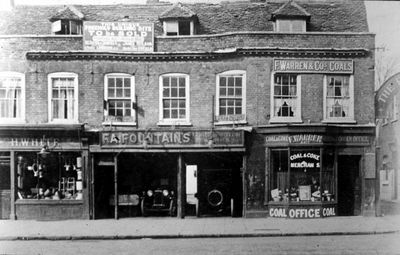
<point x="103" y="192"/>
<point x="215" y="198"/>
<point x="349" y="185"/>
<point x="5" y="186"/>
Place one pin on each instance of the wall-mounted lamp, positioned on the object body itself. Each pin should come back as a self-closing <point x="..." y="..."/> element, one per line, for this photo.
<point x="44" y="152"/>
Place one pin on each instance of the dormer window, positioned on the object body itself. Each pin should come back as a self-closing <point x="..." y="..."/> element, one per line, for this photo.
<point x="178" y="20"/>
<point x="67" y="27"/>
<point x="181" y="27"/>
<point x="67" y="21"/>
<point x="290" y="25"/>
<point x="290" y="18"/>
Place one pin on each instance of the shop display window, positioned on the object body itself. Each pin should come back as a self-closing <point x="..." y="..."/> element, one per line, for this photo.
<point x="49" y="175"/>
<point x="302" y="175"/>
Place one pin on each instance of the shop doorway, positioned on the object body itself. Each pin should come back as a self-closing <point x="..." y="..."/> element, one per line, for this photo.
<point x="103" y="191"/>
<point x="219" y="184"/>
<point x="5" y="186"/>
<point x="349" y="185"/>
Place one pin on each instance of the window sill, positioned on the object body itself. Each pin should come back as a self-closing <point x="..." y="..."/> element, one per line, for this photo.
<point x="347" y="121"/>
<point x="285" y="120"/>
<point x="8" y="121"/>
<point x="221" y="123"/>
<point x="118" y="123"/>
<point x="174" y="123"/>
<point x="48" y="201"/>
<point x="65" y="122"/>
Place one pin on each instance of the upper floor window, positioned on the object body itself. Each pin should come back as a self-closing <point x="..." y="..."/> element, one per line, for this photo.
<point x="67" y="27"/>
<point x="12" y="96"/>
<point x="286" y="98"/>
<point x="338" y="98"/>
<point x="290" y="25"/>
<point x="119" y="98"/>
<point x="174" y="99"/>
<point x="63" y="97"/>
<point x="178" y="27"/>
<point x="231" y="97"/>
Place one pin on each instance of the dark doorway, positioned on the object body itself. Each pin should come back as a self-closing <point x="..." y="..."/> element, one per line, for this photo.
<point x="103" y="191"/>
<point x="349" y="185"/>
<point x="5" y="186"/>
<point x="219" y="187"/>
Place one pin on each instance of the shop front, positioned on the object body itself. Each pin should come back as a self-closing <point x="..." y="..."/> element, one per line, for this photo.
<point x="45" y="173"/>
<point x="318" y="172"/>
<point x="162" y="172"/>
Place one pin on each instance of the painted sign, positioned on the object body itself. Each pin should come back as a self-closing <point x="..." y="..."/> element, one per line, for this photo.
<point x="230" y="118"/>
<point x="118" y="36"/>
<point x="385" y="95"/>
<point x="318" y="139"/>
<point x="313" y="66"/>
<point x="304" y="160"/>
<point x="172" y="138"/>
<point x="38" y="142"/>
<point x="302" y="212"/>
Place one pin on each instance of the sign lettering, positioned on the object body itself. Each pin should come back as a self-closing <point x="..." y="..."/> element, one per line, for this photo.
<point x="313" y="66"/>
<point x="311" y="212"/>
<point x="219" y="138"/>
<point x="118" y="36"/>
<point x="317" y="139"/>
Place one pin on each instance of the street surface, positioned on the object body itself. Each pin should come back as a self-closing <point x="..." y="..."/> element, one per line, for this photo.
<point x="351" y="244"/>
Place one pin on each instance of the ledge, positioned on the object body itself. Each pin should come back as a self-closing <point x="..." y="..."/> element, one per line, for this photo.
<point x="48" y="202"/>
<point x="189" y="56"/>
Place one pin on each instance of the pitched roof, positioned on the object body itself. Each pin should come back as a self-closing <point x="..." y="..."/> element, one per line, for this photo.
<point x="291" y="9"/>
<point x="69" y="12"/>
<point x="342" y="16"/>
<point x="177" y="11"/>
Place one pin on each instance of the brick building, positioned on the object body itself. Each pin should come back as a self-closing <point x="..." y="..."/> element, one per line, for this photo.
<point x="247" y="109"/>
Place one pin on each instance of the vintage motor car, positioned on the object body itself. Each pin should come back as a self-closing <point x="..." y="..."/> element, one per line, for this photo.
<point x="158" y="200"/>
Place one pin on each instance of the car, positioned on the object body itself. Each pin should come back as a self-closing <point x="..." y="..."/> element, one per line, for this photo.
<point x="158" y="200"/>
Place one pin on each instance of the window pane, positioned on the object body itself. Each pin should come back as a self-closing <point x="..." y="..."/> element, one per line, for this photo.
<point x="174" y="114"/>
<point x="118" y="82"/>
<point x="182" y="103"/>
<point x="182" y="114"/>
<point x="174" y="92"/>
<point x="166" y="114"/>
<point x="127" y="93"/>
<point x="174" y="82"/>
<point x="166" y="92"/>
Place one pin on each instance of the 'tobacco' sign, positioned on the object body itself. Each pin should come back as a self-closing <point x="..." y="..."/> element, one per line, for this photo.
<point x="118" y="36"/>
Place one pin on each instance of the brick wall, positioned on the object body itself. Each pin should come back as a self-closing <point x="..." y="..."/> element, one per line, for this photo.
<point x="202" y="76"/>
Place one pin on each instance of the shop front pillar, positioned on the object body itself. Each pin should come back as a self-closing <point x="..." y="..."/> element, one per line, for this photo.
<point x="13" y="185"/>
<point x="116" y="187"/>
<point x="181" y="189"/>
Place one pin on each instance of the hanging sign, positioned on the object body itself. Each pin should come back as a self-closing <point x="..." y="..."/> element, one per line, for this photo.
<point x="385" y="94"/>
<point x="313" y="66"/>
<point x="118" y="36"/>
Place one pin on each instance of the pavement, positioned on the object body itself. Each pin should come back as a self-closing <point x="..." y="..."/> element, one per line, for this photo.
<point x="191" y="227"/>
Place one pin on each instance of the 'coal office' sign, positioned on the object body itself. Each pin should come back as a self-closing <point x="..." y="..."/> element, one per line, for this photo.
<point x="313" y="66"/>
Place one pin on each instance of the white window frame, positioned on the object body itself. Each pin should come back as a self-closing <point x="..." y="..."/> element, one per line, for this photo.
<point x="297" y="115"/>
<point x="350" y="116"/>
<point x="21" y="119"/>
<point x="174" y="122"/>
<point x="76" y="96"/>
<point x="217" y="98"/>
<point x="133" y="99"/>
<point x="56" y="27"/>
<point x="176" y="23"/>
<point x="279" y="24"/>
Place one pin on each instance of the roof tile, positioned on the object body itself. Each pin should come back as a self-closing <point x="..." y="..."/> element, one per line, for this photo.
<point x="326" y="16"/>
<point x="177" y="11"/>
